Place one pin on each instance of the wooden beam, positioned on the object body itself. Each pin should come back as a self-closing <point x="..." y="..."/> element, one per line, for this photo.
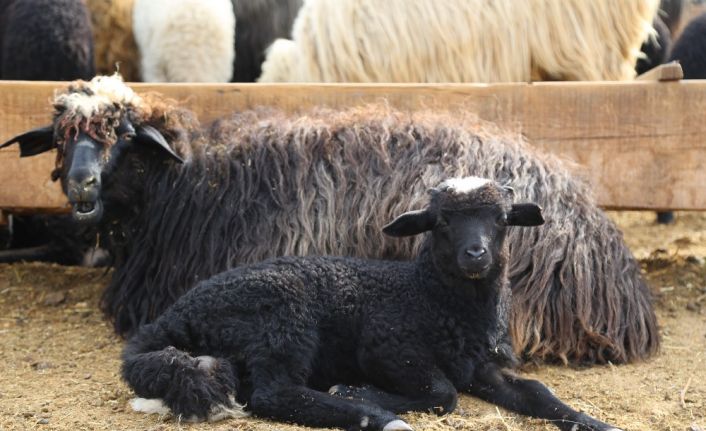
<point x="671" y="71"/>
<point x="641" y="143"/>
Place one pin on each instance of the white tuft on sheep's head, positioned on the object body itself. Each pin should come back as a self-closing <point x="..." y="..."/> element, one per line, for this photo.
<point x="101" y="92"/>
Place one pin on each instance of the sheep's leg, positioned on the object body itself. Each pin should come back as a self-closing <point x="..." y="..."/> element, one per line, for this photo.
<point x="194" y="388"/>
<point x="403" y="379"/>
<point x="42" y="253"/>
<point x="531" y="398"/>
<point x="278" y="372"/>
<point x="419" y="390"/>
<point x="308" y="407"/>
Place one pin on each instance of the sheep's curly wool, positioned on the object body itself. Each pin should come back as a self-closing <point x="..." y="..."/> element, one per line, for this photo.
<point x="45" y="40"/>
<point x="185" y="40"/>
<point x="461" y="41"/>
<point x="259" y="23"/>
<point x="380" y="337"/>
<point x="263" y="183"/>
<point x="656" y="49"/>
<point x="114" y="40"/>
<point x="690" y="49"/>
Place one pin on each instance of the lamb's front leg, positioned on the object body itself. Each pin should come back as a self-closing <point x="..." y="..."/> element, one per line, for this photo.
<point x="402" y="380"/>
<point x="305" y="406"/>
<point x="531" y="398"/>
<point x="427" y="391"/>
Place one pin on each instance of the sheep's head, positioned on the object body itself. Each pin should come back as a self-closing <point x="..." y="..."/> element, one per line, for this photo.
<point x="467" y="218"/>
<point x="93" y="123"/>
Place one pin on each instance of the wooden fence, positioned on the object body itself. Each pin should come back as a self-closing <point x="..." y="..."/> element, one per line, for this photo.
<point x="642" y="143"/>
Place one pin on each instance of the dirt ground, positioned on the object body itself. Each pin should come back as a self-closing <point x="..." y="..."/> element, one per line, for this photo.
<point x="59" y="359"/>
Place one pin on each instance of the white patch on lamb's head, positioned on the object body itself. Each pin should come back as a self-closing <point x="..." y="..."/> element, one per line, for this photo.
<point x="463" y="185"/>
<point x="206" y="363"/>
<point x="88" y="98"/>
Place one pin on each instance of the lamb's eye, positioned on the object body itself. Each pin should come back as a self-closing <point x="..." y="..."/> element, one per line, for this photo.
<point x="501" y="220"/>
<point x="441" y="223"/>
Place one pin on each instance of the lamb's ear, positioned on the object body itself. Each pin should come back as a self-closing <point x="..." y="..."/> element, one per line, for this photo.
<point x="525" y="215"/>
<point x="34" y="142"/>
<point x="410" y="223"/>
<point x="149" y="135"/>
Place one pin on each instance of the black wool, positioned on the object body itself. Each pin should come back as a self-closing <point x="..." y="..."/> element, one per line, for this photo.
<point x="345" y="342"/>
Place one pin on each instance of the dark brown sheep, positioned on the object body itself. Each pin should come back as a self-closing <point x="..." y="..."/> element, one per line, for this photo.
<point x="263" y="184"/>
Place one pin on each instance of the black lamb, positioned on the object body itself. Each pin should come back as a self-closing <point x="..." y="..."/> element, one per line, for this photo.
<point x="383" y="337"/>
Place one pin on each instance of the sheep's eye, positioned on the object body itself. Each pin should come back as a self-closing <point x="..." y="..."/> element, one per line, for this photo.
<point x="501" y="220"/>
<point x="126" y="136"/>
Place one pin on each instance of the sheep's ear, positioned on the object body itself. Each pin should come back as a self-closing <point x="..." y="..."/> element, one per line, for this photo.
<point x="150" y="135"/>
<point x="34" y="142"/>
<point x="410" y="223"/>
<point x="525" y="215"/>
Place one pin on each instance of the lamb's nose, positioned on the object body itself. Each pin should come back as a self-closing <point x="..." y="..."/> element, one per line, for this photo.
<point x="476" y="251"/>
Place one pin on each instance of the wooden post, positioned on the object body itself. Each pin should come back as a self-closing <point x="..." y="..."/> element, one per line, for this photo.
<point x="671" y="71"/>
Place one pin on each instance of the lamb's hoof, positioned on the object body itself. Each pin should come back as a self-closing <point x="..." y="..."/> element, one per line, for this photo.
<point x="578" y="427"/>
<point x="217" y="412"/>
<point x="397" y="425"/>
<point x="150" y="406"/>
<point x="220" y="412"/>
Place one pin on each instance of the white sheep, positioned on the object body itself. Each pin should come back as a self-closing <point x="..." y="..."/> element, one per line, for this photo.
<point x="185" y="40"/>
<point x="461" y="41"/>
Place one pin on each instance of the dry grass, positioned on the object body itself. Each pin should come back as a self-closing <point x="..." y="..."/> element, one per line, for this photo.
<point x="59" y="360"/>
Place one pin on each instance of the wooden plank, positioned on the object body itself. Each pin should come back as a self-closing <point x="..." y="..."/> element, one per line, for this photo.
<point x="671" y="71"/>
<point x="641" y="143"/>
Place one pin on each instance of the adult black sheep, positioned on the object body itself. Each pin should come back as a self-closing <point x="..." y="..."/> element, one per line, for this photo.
<point x="690" y="49"/>
<point x="670" y="11"/>
<point x="51" y="238"/>
<point x="258" y="185"/>
<point x="258" y="24"/>
<point x="655" y="49"/>
<point x="45" y="40"/>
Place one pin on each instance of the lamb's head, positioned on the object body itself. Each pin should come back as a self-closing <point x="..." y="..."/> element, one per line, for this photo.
<point x="467" y="218"/>
<point x="94" y="123"/>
